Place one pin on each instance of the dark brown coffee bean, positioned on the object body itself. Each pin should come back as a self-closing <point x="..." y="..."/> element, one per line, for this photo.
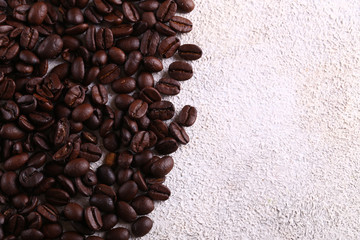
<point x="123" y="176"/>
<point x="29" y="38"/>
<point x="71" y="236"/>
<point x="166" y="146"/>
<point x="30" y="177"/>
<point x="7" y="88"/>
<point x="50" y="47"/>
<point x="78" y="69"/>
<point x="168" y="46"/>
<point x="127" y="191"/>
<point x="77" y="167"/>
<point x="117" y="55"/>
<point x="63" y="152"/>
<point x="11" y="131"/>
<point x="137" y="109"/>
<point x="124" y="85"/>
<point x="41" y="140"/>
<point x="102" y="202"/>
<point x="140" y="141"/>
<point x="125" y="211"/>
<point x="164" y="29"/>
<point x="130" y="124"/>
<point x="142" y="205"/>
<point x="166" y="11"/>
<point x="77" y="29"/>
<point x="29" y="57"/>
<point x="66" y="184"/>
<point x="130" y="12"/>
<point x="145" y="79"/>
<point x="20" y="201"/>
<point x="109" y="73"/>
<point x="103" y="6"/>
<point x="150" y="95"/>
<point x="149" y="43"/>
<point x="185" y="6"/>
<point x="44" y="185"/>
<point x="37" y="13"/>
<point x="71" y="43"/>
<point x="187" y="116"/>
<point x="90" y="152"/>
<point x="118" y="233"/>
<point x="159" y="192"/>
<point x="141" y="226"/>
<point x="16" y="162"/>
<point x="105" y="175"/>
<point x="124" y="159"/>
<point x="82" y="188"/>
<point x="140" y="181"/>
<point x="9" y="110"/>
<point x="109" y="221"/>
<point x="105" y="190"/>
<point x="74" y="16"/>
<point x="90" y="178"/>
<point x="122" y="30"/>
<point x="162" y="167"/>
<point x="123" y="101"/>
<point x="99" y="58"/>
<point x="190" y="52"/>
<point x="89" y="137"/>
<point x="104" y="38"/>
<point x="52" y="230"/>
<point x="178" y="133"/>
<point x="142" y="158"/>
<point x="93" y="218"/>
<point x="149" y="18"/>
<point x="61" y="132"/>
<point x="95" y="120"/>
<point x="115" y="18"/>
<point x="163" y="110"/>
<point x="152" y="64"/>
<point x="21" y="12"/>
<point x="57" y="197"/>
<point x="82" y="112"/>
<point x="132" y="63"/>
<point x="16" y="224"/>
<point x="73" y="211"/>
<point x="139" y="28"/>
<point x="89" y="40"/>
<point x="168" y="86"/>
<point x="34" y="220"/>
<point x="49" y="212"/>
<point x="9" y="52"/>
<point x="180" y="70"/>
<point x="128" y="44"/>
<point x="92" y="15"/>
<point x="180" y="24"/>
<point x="106" y="127"/>
<point x="37" y="160"/>
<point x="149" y="5"/>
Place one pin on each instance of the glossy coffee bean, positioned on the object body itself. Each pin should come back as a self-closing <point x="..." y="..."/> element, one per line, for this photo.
<point x="102" y="202"/>
<point x="163" y="110"/>
<point x="93" y="218"/>
<point x="105" y="175"/>
<point x="52" y="230"/>
<point x="178" y="133"/>
<point x="34" y="220"/>
<point x="32" y="234"/>
<point x="109" y="73"/>
<point x="16" y="162"/>
<point x="82" y="112"/>
<point x="187" y="116"/>
<point x="132" y="63"/>
<point x="150" y="95"/>
<point x="166" y="146"/>
<point x="125" y="211"/>
<point x="185" y="6"/>
<point x="104" y="38"/>
<point x="141" y="226"/>
<point x="118" y="233"/>
<point x="11" y="131"/>
<point x="164" y="29"/>
<point x="123" y="101"/>
<point x="137" y="109"/>
<point x="190" y="52"/>
<point x="116" y="55"/>
<point x="30" y="177"/>
<point x="50" y="47"/>
<point x="73" y="211"/>
<point x="123" y="175"/>
<point x="152" y="64"/>
<point x="127" y="191"/>
<point x="166" y="10"/>
<point x="109" y="221"/>
<point x="124" y="85"/>
<point x="77" y="167"/>
<point x="180" y="70"/>
<point x="168" y="86"/>
<point x="130" y="12"/>
<point x="168" y="47"/>
<point x="180" y="24"/>
<point x="57" y="197"/>
<point x="162" y="167"/>
<point x="142" y="205"/>
<point x="37" y="13"/>
<point x="48" y="212"/>
<point x="90" y="152"/>
<point x="159" y="192"/>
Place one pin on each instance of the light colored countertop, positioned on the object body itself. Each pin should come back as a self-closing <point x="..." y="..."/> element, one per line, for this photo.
<point x="275" y="151"/>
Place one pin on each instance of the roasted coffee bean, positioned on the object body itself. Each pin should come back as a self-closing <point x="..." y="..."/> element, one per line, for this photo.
<point x="118" y="233"/>
<point x="150" y="95"/>
<point x="166" y="10"/>
<point x="145" y="79"/>
<point x="41" y="140"/>
<point x="57" y="197"/>
<point x="162" y="166"/>
<point x="166" y="146"/>
<point x="102" y="202"/>
<point x="48" y="212"/>
<point x="89" y="40"/>
<point x="125" y="211"/>
<point x="149" y="43"/>
<point x="159" y="192"/>
<point x="105" y="190"/>
<point x="77" y="29"/>
<point x="115" y="18"/>
<point x="50" y="47"/>
<point x="95" y="120"/>
<point x="124" y="159"/>
<point x="123" y="175"/>
<point x="9" y="52"/>
<point x="190" y="52"/>
<point x="93" y="218"/>
<point x="73" y="211"/>
<point x="75" y="96"/>
<point x="89" y="137"/>
<point x="130" y="124"/>
<point x="63" y="152"/>
<point x="82" y="228"/>
<point x="34" y="220"/>
<point x="52" y="230"/>
<point x="178" y="133"/>
<point x="106" y="127"/>
<point x="82" y="112"/>
<point x="117" y="55"/>
<point x="168" y="86"/>
<point x="141" y="226"/>
<point x="28" y="38"/>
<point x="149" y="5"/>
<point x="71" y="236"/>
<point x="11" y="131"/>
<point x="140" y="141"/>
<point x="137" y="109"/>
<point x="130" y="12"/>
<point x="92" y="15"/>
<point x="109" y="73"/>
<point x="44" y="185"/>
<point x="16" y="224"/>
<point x="142" y="205"/>
<point x="180" y="70"/>
<point x="149" y="18"/>
<point x="24" y="68"/>
<point x="104" y="38"/>
<point x="164" y="29"/>
<point x="61" y="132"/>
<point x="152" y="64"/>
<point x="122" y="30"/>
<point x="128" y="44"/>
<point x="9" y="111"/>
<point x="139" y="28"/>
<point x="30" y="177"/>
<point x="180" y="24"/>
<point x="163" y="110"/>
<point x="99" y="58"/>
<point x="77" y="167"/>
<point x="20" y="201"/>
<point x="37" y="13"/>
<point x="105" y="175"/>
<point x="187" y="116"/>
<point x="127" y="191"/>
<point x="132" y="63"/>
<point x="66" y="184"/>
<point x="142" y="158"/>
<point x="74" y="16"/>
<point x="78" y="69"/>
<point x="16" y="162"/>
<point x="168" y="47"/>
<point x="90" y="152"/>
<point x="123" y="101"/>
<point x="103" y="6"/>
<point x="37" y="160"/>
<point x="7" y="88"/>
<point x="29" y="57"/>
<point x="140" y="181"/>
<point x="124" y="85"/>
<point x="185" y="6"/>
<point x="109" y="221"/>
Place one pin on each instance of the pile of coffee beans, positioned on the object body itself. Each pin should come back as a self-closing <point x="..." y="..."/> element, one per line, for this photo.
<point x="55" y="122"/>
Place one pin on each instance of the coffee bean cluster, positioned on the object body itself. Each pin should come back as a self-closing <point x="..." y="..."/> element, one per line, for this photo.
<point x="53" y="122"/>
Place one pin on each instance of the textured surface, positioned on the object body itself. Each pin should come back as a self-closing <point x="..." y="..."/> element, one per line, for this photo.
<point x="275" y="151"/>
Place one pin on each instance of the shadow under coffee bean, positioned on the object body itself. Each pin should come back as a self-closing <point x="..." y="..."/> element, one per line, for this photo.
<point x="53" y="124"/>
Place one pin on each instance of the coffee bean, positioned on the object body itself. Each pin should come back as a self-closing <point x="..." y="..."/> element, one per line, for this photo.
<point x="103" y="202"/>
<point x="168" y="46"/>
<point x="16" y="224"/>
<point x="118" y="233"/>
<point x="180" y="70"/>
<point x="106" y="175"/>
<point x="77" y="29"/>
<point x="150" y="95"/>
<point x="7" y="88"/>
<point x="92" y="15"/>
<point x="137" y="109"/>
<point x="164" y="29"/>
<point x="149" y="5"/>
<point x="73" y="211"/>
<point x="109" y="221"/>
<point x="28" y="38"/>
<point x="93" y="218"/>
<point x="116" y="55"/>
<point x="190" y="52"/>
<point x="185" y="6"/>
<point x="130" y="12"/>
<point x="30" y="177"/>
<point x="29" y="57"/>
<point x="166" y="146"/>
<point x="125" y="211"/>
<point x="166" y="11"/>
<point x="178" y="133"/>
<point x="162" y="166"/>
<point x="149" y="43"/>
<point x="145" y="79"/>
<point x="34" y="220"/>
<point x="105" y="190"/>
<point x="77" y="167"/>
<point x="74" y="16"/>
<point x="123" y="175"/>
<point x="114" y="18"/>
<point x="109" y="73"/>
<point x="139" y="28"/>
<point x="103" y="6"/>
<point x="132" y="63"/>
<point x="9" y="111"/>
<point x="104" y="38"/>
<point x="82" y="112"/>
<point x="16" y="162"/>
<point x="142" y="158"/>
<point x="180" y="24"/>
<point x="163" y="110"/>
<point x="168" y="86"/>
<point x="50" y="47"/>
<point x="123" y="101"/>
<point x="57" y="197"/>
<point x="140" y="181"/>
<point x="152" y="64"/>
<point x="49" y="212"/>
<point x="141" y="226"/>
<point x="71" y="236"/>
<point x="122" y="30"/>
<point x="99" y="58"/>
<point x="124" y="159"/>
<point x="52" y="230"/>
<point x="127" y="191"/>
<point x="187" y="116"/>
<point x="78" y="69"/>
<point x="37" y="13"/>
<point x="142" y="205"/>
<point x="140" y="141"/>
<point x="124" y="85"/>
<point x="159" y="192"/>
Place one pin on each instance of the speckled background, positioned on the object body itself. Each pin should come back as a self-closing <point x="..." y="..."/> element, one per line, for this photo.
<point x="275" y="151"/>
